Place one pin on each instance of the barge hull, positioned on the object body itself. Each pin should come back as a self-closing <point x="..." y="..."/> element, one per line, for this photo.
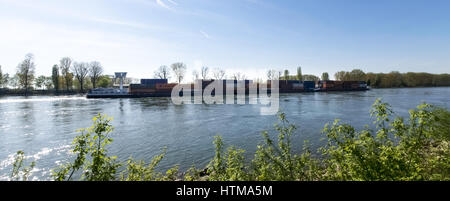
<point x="169" y="94"/>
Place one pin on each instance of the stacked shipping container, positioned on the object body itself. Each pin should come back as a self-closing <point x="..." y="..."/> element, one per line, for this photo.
<point x="150" y="86"/>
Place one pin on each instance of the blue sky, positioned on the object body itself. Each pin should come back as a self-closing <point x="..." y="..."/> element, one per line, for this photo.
<point x="248" y="36"/>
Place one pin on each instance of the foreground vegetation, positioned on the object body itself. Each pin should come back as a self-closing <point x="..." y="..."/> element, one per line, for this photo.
<point x="413" y="149"/>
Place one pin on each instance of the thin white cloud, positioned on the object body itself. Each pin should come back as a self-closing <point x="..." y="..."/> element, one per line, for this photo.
<point x="173" y="2"/>
<point x="77" y="15"/>
<point x="204" y="34"/>
<point x="118" y="22"/>
<point x="162" y="4"/>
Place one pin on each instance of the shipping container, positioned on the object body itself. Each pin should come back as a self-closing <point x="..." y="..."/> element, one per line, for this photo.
<point x="142" y="91"/>
<point x="142" y="86"/>
<point x="165" y="87"/>
<point x="362" y="84"/>
<point x="297" y="85"/>
<point x="153" y="81"/>
<point x="309" y="85"/>
<point x="294" y="82"/>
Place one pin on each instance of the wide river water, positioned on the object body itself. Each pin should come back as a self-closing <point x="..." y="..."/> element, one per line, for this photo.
<point x="44" y="127"/>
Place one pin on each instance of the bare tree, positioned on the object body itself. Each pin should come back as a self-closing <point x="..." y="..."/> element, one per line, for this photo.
<point x="195" y="75"/>
<point x="95" y="71"/>
<point x="205" y="71"/>
<point x="25" y="72"/>
<point x="239" y="76"/>
<point x="269" y="75"/>
<point x="218" y="74"/>
<point x="163" y="72"/>
<point x="81" y="70"/>
<point x="65" y="65"/>
<point x="179" y="69"/>
<point x="259" y="80"/>
<point x="273" y="74"/>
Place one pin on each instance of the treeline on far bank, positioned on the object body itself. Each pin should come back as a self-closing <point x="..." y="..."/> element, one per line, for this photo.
<point x="70" y="77"/>
<point x="395" y="79"/>
<point x="67" y="77"/>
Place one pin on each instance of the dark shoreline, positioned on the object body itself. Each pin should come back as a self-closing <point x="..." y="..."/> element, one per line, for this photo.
<point x="9" y="92"/>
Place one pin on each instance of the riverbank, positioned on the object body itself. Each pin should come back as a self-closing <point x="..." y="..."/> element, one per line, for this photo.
<point x="17" y="92"/>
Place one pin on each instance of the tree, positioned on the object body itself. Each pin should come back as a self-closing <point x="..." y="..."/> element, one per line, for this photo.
<point x="286" y="74"/>
<point x="163" y="72"/>
<point x="95" y="70"/>
<point x="55" y="77"/>
<point x="339" y="75"/>
<point x="205" y="71"/>
<point x="65" y="65"/>
<point x="14" y="81"/>
<point x="357" y="75"/>
<point x="393" y="79"/>
<point x="239" y="76"/>
<point x="40" y="82"/>
<point x="354" y="75"/>
<point x="105" y="81"/>
<point x="325" y="76"/>
<point x="25" y="72"/>
<point x="273" y="74"/>
<point x="218" y="74"/>
<point x="48" y="83"/>
<point x="3" y="78"/>
<point x="195" y="75"/>
<point x="81" y="70"/>
<point x="179" y="69"/>
<point x="307" y="77"/>
<point x="299" y="74"/>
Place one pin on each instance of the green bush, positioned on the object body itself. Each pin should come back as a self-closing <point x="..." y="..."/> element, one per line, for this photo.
<point x="20" y="171"/>
<point x="91" y="154"/>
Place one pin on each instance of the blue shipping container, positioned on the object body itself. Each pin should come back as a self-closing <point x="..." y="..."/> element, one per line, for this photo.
<point x="309" y="84"/>
<point x="153" y="81"/>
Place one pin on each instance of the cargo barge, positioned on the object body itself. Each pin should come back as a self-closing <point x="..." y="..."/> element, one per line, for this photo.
<point x="341" y="86"/>
<point x="161" y="87"/>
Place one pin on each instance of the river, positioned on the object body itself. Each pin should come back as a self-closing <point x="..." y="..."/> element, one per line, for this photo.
<point x="44" y="127"/>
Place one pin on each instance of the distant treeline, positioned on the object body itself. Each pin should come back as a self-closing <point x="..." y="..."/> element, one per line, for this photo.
<point x="375" y="80"/>
<point x="395" y="79"/>
<point x="67" y="77"/>
<point x="70" y="77"/>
